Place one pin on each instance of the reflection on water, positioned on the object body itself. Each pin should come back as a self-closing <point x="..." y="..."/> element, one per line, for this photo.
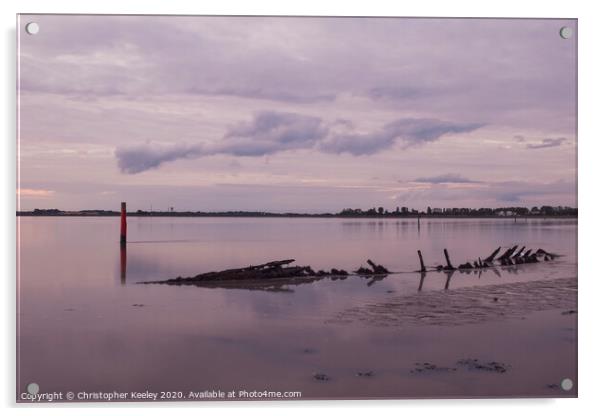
<point x="78" y="326"/>
<point x="123" y="256"/>
<point x="422" y="276"/>
<point x="163" y="248"/>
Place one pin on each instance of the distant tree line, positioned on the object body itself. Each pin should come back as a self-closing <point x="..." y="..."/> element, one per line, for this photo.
<point x="543" y="211"/>
<point x="546" y="211"/>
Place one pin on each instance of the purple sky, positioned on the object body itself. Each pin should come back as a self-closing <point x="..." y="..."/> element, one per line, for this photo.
<point x="295" y="114"/>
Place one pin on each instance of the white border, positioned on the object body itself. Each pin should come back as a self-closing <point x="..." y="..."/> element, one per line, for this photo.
<point x="589" y="140"/>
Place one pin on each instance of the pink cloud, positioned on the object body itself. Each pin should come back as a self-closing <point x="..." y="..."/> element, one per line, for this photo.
<point x="34" y="193"/>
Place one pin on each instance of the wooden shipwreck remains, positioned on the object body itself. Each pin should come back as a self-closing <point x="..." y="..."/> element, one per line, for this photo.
<point x="268" y="275"/>
<point x="279" y="269"/>
<point x="376" y="269"/>
<point x="492" y="255"/>
<point x="510" y="257"/>
<point x="276" y="275"/>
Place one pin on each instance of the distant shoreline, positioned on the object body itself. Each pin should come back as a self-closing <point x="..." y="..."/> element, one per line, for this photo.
<point x="286" y="215"/>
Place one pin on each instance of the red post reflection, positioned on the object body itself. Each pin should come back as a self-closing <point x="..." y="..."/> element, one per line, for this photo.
<point x="123" y="262"/>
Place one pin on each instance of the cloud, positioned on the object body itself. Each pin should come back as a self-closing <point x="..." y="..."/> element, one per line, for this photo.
<point x="409" y="131"/>
<point x="547" y="143"/>
<point x="446" y="178"/>
<point x="136" y="159"/>
<point x="492" y="193"/>
<point x="167" y="89"/>
<point x="520" y="191"/>
<point x="267" y="133"/>
<point x="304" y="60"/>
<point x="265" y="94"/>
<point x="395" y="93"/>
<point x="34" y="193"/>
<point x="273" y="132"/>
<point x="358" y="144"/>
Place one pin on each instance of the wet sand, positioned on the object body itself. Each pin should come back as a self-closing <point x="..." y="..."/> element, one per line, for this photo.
<point x="468" y="305"/>
<point x="506" y="340"/>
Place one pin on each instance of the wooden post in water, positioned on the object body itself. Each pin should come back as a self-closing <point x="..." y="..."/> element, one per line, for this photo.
<point x="449" y="265"/>
<point x="422" y="268"/>
<point x="124" y="226"/>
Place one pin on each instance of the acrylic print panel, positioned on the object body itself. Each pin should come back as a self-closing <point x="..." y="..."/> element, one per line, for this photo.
<point x="421" y="172"/>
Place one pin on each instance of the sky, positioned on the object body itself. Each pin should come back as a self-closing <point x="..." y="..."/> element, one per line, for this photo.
<point x="295" y="114"/>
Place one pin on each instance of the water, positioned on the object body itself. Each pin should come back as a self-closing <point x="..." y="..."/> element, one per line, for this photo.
<point x="79" y="331"/>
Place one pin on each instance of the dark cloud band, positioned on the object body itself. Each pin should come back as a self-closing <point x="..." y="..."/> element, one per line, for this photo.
<point x="446" y="178"/>
<point x="545" y="143"/>
<point x="274" y="132"/>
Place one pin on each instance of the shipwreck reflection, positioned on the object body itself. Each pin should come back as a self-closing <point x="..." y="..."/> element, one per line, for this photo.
<point x="449" y="274"/>
<point x="422" y="276"/>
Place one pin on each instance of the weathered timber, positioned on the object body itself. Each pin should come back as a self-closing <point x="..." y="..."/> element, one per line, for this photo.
<point x="422" y="268"/>
<point x="266" y="271"/>
<point x="377" y="268"/>
<point x="364" y="271"/>
<point x="518" y="253"/>
<point x="506" y="261"/>
<point x="510" y="257"/>
<point x="508" y="253"/>
<point x="492" y="255"/>
<point x="542" y="252"/>
<point x="272" y="264"/>
<point x="449" y="265"/>
<point x="281" y="271"/>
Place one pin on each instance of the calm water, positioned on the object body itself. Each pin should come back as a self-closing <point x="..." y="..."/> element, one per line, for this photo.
<point x="79" y="331"/>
